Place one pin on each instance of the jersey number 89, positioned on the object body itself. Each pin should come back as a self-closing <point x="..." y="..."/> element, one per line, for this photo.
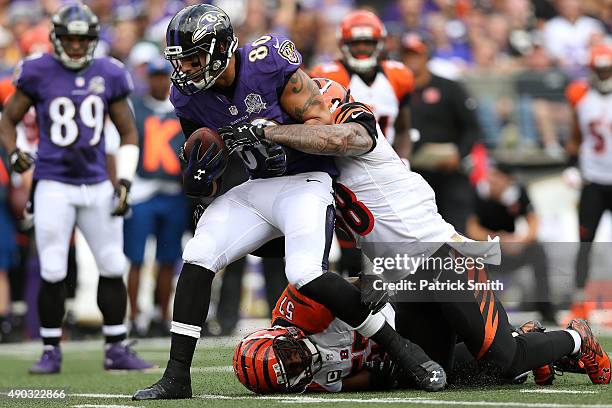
<point x="64" y="129"/>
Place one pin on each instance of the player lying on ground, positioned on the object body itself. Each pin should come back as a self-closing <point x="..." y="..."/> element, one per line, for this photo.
<point x="260" y="80"/>
<point x="383" y="202"/>
<point x="323" y="352"/>
<point x="307" y="343"/>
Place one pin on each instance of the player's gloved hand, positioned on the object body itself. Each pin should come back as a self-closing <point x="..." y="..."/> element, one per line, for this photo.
<point x="242" y="137"/>
<point x="21" y="161"/>
<point x="120" y="200"/>
<point x="276" y="163"/>
<point x="374" y="299"/>
<point x="384" y="373"/>
<point x="200" y="173"/>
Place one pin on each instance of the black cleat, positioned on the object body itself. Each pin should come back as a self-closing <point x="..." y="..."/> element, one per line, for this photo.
<point x="174" y="384"/>
<point x="425" y="373"/>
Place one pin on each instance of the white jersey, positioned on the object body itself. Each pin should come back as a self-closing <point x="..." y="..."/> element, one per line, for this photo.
<point x="594" y="112"/>
<point x="382" y="202"/>
<point x="343" y="350"/>
<point x="393" y="81"/>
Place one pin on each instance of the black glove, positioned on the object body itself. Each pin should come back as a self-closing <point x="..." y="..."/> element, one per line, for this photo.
<point x="21" y="161"/>
<point x="384" y="373"/>
<point x="242" y="137"/>
<point x="121" y="205"/>
<point x="276" y="163"/>
<point x="372" y="298"/>
<point x="199" y="174"/>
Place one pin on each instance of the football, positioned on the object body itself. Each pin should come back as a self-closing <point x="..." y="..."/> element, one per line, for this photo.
<point x="207" y="137"/>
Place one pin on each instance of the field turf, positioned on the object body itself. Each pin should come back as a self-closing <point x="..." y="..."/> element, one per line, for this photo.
<point x="214" y="384"/>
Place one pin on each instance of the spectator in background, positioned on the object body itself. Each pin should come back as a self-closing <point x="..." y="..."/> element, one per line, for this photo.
<point x="500" y="202"/>
<point x="590" y="145"/>
<point x="542" y="109"/>
<point x="159" y="205"/>
<point x="445" y="116"/>
<point x="7" y="248"/>
<point x="568" y="36"/>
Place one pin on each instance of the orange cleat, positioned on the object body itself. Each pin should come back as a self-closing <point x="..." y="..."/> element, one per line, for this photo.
<point x="592" y="357"/>
<point x="544" y="375"/>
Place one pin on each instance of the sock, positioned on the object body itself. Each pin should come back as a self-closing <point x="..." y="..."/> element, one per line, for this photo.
<point x="577" y="341"/>
<point x="389" y="340"/>
<point x="51" y="298"/>
<point x="112" y="301"/>
<point x="533" y="350"/>
<point x="191" y="302"/>
<point x="339" y="296"/>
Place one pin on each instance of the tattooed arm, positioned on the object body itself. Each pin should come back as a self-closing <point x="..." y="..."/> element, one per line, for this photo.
<point x="347" y="139"/>
<point x="302" y="100"/>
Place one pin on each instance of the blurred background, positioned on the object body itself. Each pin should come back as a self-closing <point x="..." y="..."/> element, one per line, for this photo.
<point x="514" y="58"/>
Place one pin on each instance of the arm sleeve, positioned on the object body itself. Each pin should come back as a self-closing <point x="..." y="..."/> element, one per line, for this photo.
<point x="357" y="112"/>
<point x="468" y="128"/>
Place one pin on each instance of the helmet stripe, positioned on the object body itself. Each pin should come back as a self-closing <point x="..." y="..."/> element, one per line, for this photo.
<point x="243" y="359"/>
<point x="266" y="368"/>
<point x="254" y="362"/>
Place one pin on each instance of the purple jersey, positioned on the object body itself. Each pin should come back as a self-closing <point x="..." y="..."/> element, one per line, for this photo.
<point x="262" y="71"/>
<point x="70" y="110"/>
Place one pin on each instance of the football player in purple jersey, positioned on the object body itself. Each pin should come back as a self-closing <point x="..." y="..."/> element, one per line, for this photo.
<point x="217" y="84"/>
<point x="72" y="93"/>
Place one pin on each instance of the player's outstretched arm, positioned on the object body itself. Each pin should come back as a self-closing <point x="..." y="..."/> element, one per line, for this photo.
<point x="348" y="139"/>
<point x="302" y="100"/>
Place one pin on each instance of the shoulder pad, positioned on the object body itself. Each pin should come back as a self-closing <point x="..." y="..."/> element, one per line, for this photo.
<point x="575" y="91"/>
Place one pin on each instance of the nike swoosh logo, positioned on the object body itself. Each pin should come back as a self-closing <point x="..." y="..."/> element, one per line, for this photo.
<point x="318" y="181"/>
<point x="356" y="114"/>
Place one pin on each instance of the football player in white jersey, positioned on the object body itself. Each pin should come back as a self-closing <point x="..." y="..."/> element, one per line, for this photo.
<point x="335" y="357"/>
<point x="385" y="84"/>
<point x="591" y="144"/>
<point x="383" y="202"/>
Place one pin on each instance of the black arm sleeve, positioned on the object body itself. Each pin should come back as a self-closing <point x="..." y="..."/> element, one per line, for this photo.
<point x="465" y="116"/>
<point x="188" y="127"/>
<point x="357" y="112"/>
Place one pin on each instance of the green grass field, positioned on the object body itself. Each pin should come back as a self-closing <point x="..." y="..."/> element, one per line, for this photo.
<point x="87" y="385"/>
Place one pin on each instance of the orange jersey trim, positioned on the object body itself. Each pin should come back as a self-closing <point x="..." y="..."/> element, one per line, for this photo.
<point x="334" y="71"/>
<point x="400" y="78"/>
<point x="576" y="91"/>
<point x="296" y="309"/>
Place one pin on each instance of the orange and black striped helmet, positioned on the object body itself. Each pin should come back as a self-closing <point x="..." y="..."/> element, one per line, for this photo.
<point x="333" y="93"/>
<point x="278" y="359"/>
